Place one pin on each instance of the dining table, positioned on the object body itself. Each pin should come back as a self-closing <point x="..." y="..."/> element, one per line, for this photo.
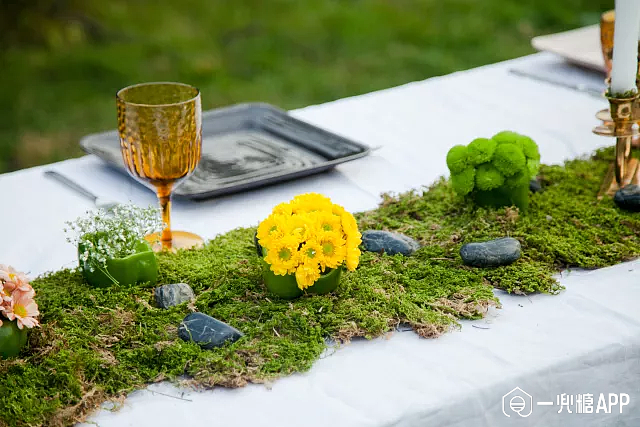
<point x="551" y="348"/>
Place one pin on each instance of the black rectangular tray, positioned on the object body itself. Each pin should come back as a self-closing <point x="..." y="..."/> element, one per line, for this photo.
<point x="247" y="146"/>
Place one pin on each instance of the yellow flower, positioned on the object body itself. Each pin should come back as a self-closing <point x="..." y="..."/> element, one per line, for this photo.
<point x="311" y="252"/>
<point x="283" y="255"/>
<point x="308" y="235"/>
<point x="283" y="209"/>
<point x="272" y="228"/>
<point x="307" y="274"/>
<point x="337" y="209"/>
<point x="354" y="239"/>
<point x="353" y="252"/>
<point x="327" y="221"/>
<point x="311" y="202"/>
<point x="349" y="224"/>
<point x="333" y="249"/>
<point x="353" y="258"/>
<point x="301" y="226"/>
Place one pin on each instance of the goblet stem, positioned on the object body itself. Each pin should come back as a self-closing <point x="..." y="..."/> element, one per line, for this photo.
<point x="164" y="195"/>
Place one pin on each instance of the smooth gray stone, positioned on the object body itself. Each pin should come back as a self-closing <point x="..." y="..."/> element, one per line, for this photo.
<point x="628" y="198"/>
<point x="535" y="186"/>
<point x="389" y="242"/>
<point x="492" y="253"/>
<point x="207" y="331"/>
<point x="173" y="294"/>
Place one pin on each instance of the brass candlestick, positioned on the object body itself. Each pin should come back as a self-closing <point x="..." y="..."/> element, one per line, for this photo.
<point x="620" y="121"/>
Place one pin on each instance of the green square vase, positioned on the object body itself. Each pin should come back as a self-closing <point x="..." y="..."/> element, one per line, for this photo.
<point x="139" y="267"/>
<point x="501" y="197"/>
<point x="12" y="339"/>
<point x="286" y="286"/>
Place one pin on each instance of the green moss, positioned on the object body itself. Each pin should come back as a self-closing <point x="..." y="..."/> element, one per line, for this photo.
<point x="621" y="95"/>
<point x="97" y="344"/>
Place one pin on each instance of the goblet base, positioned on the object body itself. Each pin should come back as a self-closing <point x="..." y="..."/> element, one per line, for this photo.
<point x="180" y="240"/>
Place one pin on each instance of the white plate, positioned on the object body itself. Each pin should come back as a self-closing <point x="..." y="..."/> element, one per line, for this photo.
<point x="580" y="46"/>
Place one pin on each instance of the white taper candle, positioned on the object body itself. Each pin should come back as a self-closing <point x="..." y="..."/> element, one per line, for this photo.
<point x="625" y="46"/>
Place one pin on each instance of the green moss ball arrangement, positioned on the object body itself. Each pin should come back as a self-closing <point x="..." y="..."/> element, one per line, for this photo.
<point x="496" y="171"/>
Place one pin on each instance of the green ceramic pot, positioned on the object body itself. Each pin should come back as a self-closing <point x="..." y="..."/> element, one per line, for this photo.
<point x="500" y="197"/>
<point x="12" y="339"/>
<point x="286" y="286"/>
<point x="140" y="267"/>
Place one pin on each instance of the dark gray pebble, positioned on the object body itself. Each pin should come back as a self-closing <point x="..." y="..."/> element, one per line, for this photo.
<point x="207" y="331"/>
<point x="628" y="198"/>
<point x="493" y="253"/>
<point x="535" y="186"/>
<point x="173" y="294"/>
<point x="388" y="242"/>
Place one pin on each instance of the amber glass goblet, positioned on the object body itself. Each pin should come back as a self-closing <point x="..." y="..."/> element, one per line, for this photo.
<point x="607" y="21"/>
<point x="160" y="127"/>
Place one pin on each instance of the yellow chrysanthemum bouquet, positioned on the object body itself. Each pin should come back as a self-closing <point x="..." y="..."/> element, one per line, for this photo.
<point x="308" y="237"/>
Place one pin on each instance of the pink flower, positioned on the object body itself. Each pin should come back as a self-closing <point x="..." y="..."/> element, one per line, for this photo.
<point x="5" y="301"/>
<point x="23" y="309"/>
<point x="4" y="295"/>
<point x="13" y="280"/>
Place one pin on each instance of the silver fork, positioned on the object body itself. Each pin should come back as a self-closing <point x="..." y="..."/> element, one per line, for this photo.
<point x="97" y="201"/>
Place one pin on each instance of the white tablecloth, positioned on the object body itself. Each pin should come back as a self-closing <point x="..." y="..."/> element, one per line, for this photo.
<point x="585" y="340"/>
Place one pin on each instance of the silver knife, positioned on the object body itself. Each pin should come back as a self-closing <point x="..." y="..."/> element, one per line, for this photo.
<point x="97" y="201"/>
<point x="589" y="90"/>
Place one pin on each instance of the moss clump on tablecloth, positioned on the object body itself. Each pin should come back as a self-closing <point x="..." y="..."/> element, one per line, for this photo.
<point x="97" y="344"/>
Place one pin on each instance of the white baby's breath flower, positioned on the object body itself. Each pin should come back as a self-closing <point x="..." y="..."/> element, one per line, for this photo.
<point x="112" y="235"/>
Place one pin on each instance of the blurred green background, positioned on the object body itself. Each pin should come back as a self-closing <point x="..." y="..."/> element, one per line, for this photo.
<point x="63" y="60"/>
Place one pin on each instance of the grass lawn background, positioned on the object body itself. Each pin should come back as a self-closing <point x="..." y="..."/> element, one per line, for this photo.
<point x="290" y="53"/>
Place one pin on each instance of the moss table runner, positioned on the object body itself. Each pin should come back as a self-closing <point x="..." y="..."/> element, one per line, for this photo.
<point x="584" y="340"/>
